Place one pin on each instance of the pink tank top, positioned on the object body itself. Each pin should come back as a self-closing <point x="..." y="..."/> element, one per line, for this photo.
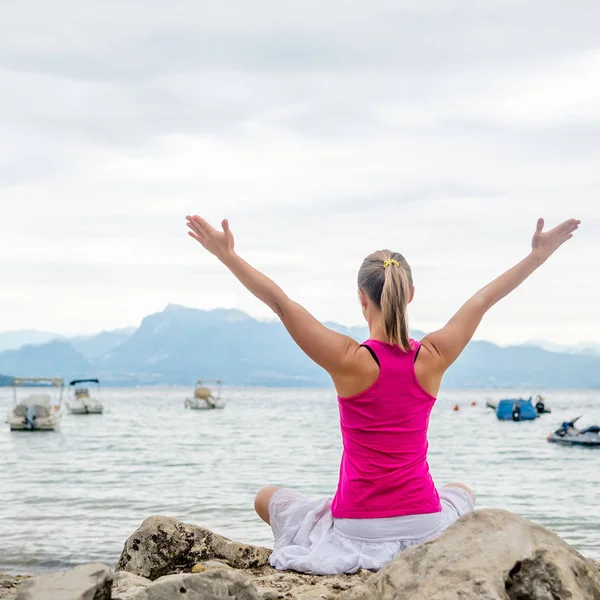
<point x="384" y="470"/>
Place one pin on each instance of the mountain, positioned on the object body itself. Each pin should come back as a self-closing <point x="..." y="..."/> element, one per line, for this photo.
<point x="5" y="380"/>
<point x="96" y="347"/>
<point x="180" y="345"/>
<point x="584" y="348"/>
<point x="361" y="333"/>
<point x="483" y="364"/>
<point x="91" y="346"/>
<point x="54" y="359"/>
<point x="13" y="340"/>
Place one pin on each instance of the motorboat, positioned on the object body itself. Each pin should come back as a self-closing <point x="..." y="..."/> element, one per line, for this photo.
<point x="569" y="435"/>
<point x="519" y="409"/>
<point x="203" y="398"/>
<point x="38" y="411"/>
<point x="516" y="410"/>
<point x="540" y="405"/>
<point x="82" y="403"/>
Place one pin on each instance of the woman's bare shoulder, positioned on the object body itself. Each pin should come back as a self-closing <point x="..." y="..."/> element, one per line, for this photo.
<point x="428" y="367"/>
<point x="362" y="376"/>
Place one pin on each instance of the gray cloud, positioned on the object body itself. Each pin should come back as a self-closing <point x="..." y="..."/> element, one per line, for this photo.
<point x="124" y="40"/>
<point x="323" y="131"/>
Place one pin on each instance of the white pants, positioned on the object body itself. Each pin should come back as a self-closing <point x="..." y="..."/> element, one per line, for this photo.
<point x="309" y="540"/>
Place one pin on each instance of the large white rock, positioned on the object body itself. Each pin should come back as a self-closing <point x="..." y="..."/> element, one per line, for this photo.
<point x="126" y="585"/>
<point x="487" y="555"/>
<point x="211" y="585"/>
<point x="92" y="581"/>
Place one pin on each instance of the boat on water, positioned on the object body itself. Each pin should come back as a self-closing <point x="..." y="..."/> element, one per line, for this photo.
<point x="540" y="405"/>
<point x="203" y="398"/>
<point x="516" y="409"/>
<point x="82" y="403"/>
<point x="40" y="410"/>
<point x="520" y="409"/>
<point x="569" y="435"/>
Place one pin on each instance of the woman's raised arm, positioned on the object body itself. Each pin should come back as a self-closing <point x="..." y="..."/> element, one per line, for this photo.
<point x="446" y="344"/>
<point x="333" y="351"/>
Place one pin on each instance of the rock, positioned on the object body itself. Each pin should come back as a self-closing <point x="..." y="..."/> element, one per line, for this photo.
<point x="9" y="585"/>
<point x="310" y="592"/>
<point x="550" y="574"/>
<point x="210" y="564"/>
<point x="268" y="583"/>
<point x="162" y="546"/>
<point x="210" y="585"/>
<point x="487" y="555"/>
<point x="86" y="582"/>
<point x="275" y="585"/>
<point x="126" y="585"/>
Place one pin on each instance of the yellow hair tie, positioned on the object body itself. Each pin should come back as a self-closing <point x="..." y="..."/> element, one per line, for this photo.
<point x="390" y="261"/>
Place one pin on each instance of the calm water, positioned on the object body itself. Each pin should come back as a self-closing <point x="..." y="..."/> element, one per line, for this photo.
<point x="75" y="495"/>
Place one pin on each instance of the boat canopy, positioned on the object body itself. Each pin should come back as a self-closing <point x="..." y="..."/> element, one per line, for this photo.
<point x="76" y="381"/>
<point x="51" y="381"/>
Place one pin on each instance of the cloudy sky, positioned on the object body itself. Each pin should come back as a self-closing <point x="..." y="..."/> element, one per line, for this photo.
<point x="322" y="130"/>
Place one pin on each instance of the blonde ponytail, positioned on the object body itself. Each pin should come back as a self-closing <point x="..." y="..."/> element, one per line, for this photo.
<point x="386" y="278"/>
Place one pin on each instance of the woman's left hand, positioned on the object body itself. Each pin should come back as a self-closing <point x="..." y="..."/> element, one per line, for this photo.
<point x="219" y="243"/>
<point x="544" y="244"/>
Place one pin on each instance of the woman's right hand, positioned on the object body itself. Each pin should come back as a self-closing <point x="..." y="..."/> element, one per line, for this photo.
<point x="544" y="244"/>
<point x="219" y="243"/>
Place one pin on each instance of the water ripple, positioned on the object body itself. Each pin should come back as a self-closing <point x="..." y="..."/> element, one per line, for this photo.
<point x="75" y="495"/>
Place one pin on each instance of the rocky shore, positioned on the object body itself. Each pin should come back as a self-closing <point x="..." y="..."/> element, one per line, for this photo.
<point x="9" y="585"/>
<point x="487" y="555"/>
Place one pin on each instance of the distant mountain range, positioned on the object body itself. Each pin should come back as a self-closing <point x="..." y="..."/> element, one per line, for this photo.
<point x="13" y="340"/>
<point x="180" y="345"/>
<point x="588" y="348"/>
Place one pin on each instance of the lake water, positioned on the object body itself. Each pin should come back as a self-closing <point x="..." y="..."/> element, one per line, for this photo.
<point x="75" y="495"/>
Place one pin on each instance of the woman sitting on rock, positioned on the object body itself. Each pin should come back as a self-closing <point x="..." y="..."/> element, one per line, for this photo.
<point x="386" y="499"/>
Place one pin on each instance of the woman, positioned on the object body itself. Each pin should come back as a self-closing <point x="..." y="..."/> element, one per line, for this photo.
<point x="386" y="500"/>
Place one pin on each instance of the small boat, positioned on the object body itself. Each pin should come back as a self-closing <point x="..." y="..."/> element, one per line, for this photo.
<point x="516" y="409"/>
<point x="569" y="435"/>
<point x="82" y="403"/>
<point x="540" y="405"/>
<point x="203" y="398"/>
<point x="37" y="411"/>
<point x="519" y="409"/>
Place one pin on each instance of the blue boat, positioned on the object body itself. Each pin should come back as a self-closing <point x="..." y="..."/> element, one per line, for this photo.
<point x="516" y="409"/>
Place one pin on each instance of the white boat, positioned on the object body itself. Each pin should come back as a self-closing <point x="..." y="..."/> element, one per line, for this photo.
<point x="38" y="411"/>
<point x="82" y="403"/>
<point x="203" y="398"/>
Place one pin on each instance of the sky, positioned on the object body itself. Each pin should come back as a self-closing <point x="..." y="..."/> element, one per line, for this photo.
<point x="322" y="131"/>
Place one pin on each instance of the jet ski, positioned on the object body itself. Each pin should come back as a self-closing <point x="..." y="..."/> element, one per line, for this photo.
<point x="569" y="435"/>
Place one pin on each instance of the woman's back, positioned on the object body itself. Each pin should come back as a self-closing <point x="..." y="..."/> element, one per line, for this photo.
<point x="384" y="470"/>
<point x="386" y="500"/>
